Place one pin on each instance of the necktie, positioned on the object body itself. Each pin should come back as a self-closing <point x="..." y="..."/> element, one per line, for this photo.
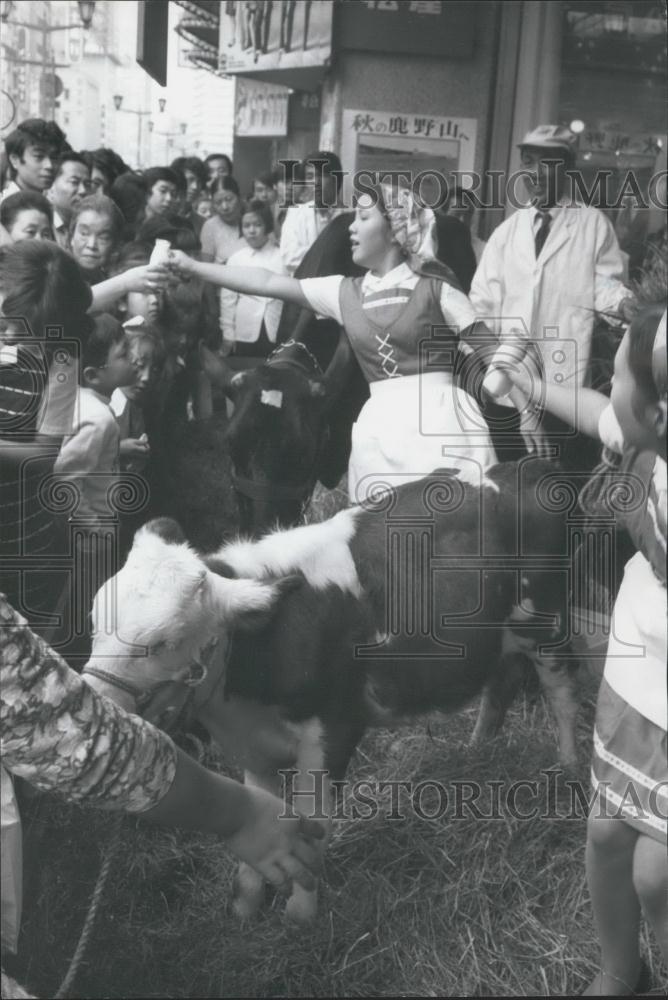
<point x="542" y="231"/>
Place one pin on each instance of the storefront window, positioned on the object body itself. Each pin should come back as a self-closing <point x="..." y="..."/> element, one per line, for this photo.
<point x="613" y="84"/>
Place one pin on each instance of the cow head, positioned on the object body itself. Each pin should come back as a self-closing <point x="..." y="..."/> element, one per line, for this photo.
<point x="277" y="432"/>
<point x="165" y="617"/>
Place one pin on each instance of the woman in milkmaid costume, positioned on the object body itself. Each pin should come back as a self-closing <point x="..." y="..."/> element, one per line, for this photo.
<point x="417" y="419"/>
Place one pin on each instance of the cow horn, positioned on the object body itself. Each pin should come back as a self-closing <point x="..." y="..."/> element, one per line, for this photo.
<point x="220" y="373"/>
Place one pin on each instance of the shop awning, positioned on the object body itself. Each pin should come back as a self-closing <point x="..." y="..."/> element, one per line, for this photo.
<point x="199" y="28"/>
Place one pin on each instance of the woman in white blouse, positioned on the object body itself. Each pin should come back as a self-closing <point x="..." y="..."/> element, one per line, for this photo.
<point x="405" y="328"/>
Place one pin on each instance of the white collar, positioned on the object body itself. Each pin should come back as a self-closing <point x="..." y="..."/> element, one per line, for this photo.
<point x="58" y="221"/>
<point x="554" y="210"/>
<point x="398" y="274"/>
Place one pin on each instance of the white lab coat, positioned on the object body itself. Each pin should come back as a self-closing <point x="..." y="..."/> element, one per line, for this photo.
<point x="580" y="271"/>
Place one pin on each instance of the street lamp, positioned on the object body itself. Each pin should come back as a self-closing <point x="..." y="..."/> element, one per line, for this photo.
<point x="86" y="11"/>
<point x="118" y="100"/>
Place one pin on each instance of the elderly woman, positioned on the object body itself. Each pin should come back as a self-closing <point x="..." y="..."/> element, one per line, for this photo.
<point x="96" y="231"/>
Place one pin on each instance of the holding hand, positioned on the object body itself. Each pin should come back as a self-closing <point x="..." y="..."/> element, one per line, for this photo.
<point x="180" y="263"/>
<point x="281" y="848"/>
<point x="146" y="278"/>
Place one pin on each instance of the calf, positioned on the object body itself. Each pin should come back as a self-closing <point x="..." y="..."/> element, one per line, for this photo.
<point x="403" y="609"/>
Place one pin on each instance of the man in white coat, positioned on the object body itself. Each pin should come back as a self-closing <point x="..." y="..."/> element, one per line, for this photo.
<point x="548" y="270"/>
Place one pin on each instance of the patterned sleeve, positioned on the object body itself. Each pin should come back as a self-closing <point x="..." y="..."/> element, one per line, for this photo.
<point x="62" y="736"/>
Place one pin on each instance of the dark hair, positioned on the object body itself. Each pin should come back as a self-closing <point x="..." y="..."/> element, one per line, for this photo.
<point x="133" y="254"/>
<point x="155" y="174"/>
<point x="328" y="163"/>
<point x="459" y="197"/>
<point x="35" y="132"/>
<point x="268" y="178"/>
<point x="129" y="192"/>
<point x="45" y="287"/>
<point x="225" y="184"/>
<point x="108" y="162"/>
<point x="103" y="206"/>
<point x="69" y="156"/>
<point x="175" y="228"/>
<point x="192" y="164"/>
<point x="260" y="208"/>
<point x="219" y="156"/>
<point x="106" y="332"/>
<point x="642" y="333"/>
<point x="21" y="201"/>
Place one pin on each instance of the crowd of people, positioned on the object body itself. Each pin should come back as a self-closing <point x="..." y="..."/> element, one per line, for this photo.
<point x="111" y="278"/>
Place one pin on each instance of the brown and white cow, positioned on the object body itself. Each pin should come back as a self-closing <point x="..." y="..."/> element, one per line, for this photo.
<point x="402" y="609"/>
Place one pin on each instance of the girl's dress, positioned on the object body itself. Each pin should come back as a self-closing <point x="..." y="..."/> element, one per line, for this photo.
<point x="629" y="767"/>
<point x="250" y="322"/>
<point x="404" y="331"/>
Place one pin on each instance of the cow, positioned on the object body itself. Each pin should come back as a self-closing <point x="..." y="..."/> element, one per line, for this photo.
<point x="293" y="415"/>
<point x="401" y="608"/>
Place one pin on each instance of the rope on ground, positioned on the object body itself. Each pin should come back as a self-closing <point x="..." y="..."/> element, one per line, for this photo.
<point x="87" y="930"/>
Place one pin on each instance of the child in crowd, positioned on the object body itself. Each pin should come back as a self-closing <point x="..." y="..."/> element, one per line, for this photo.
<point x="250" y="322"/>
<point x="163" y="188"/>
<point x="129" y="401"/>
<point x="145" y="305"/>
<point x="89" y="458"/>
<point x="27" y="215"/>
<point x="220" y="234"/>
<point x="96" y="231"/>
<point x="626" y="833"/>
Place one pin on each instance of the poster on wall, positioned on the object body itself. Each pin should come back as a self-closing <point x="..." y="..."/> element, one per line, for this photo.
<point x="266" y="35"/>
<point x="260" y="108"/>
<point x="434" y="146"/>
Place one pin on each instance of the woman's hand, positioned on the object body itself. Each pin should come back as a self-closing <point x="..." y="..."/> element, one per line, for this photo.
<point x="180" y="263"/>
<point x="279" y="846"/>
<point x="533" y="434"/>
<point x="146" y="278"/>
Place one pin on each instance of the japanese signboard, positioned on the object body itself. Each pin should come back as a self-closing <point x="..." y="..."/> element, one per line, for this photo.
<point x="419" y="27"/>
<point x="260" y="108"/>
<point x="415" y="143"/>
<point x="259" y="36"/>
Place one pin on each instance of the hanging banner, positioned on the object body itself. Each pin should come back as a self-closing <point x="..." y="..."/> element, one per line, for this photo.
<point x="418" y="144"/>
<point x="265" y="35"/>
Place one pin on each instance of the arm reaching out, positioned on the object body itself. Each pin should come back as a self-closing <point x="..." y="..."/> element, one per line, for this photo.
<point x="582" y="412"/>
<point x="145" y="278"/>
<point x="247" y="280"/>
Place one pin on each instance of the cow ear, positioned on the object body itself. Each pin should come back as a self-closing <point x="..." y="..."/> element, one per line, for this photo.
<point x="318" y="389"/>
<point x="253" y="620"/>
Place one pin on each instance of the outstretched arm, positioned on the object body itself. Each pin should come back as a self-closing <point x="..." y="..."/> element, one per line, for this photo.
<point x="145" y="278"/>
<point x="247" y="280"/>
<point x="578" y="406"/>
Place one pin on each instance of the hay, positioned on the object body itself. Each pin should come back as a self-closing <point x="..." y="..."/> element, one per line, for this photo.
<point x="444" y="907"/>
